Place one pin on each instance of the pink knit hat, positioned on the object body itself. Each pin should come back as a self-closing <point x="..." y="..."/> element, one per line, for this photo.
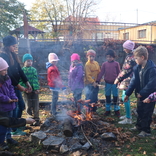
<point x="3" y="64"/>
<point x="52" y="57"/>
<point x="74" y="57"/>
<point x="128" y="45"/>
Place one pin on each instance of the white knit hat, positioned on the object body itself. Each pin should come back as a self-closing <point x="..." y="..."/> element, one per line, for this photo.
<point x="3" y="64"/>
<point x="52" y="57"/>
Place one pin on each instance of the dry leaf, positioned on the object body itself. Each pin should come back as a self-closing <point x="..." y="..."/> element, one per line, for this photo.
<point x="144" y="152"/>
<point x="140" y="148"/>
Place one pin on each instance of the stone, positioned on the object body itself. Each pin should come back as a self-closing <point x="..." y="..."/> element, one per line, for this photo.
<point x="75" y="146"/>
<point x="37" y="137"/>
<point x="64" y="149"/>
<point x="86" y="146"/>
<point x="108" y="135"/>
<point x="53" y="142"/>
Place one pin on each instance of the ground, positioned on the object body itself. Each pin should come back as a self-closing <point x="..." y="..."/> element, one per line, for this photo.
<point x="134" y="147"/>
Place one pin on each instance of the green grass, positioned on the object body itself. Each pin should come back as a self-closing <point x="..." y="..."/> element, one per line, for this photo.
<point x="140" y="147"/>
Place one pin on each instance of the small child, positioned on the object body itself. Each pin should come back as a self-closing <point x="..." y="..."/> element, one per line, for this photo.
<point x="75" y="78"/>
<point x="143" y="82"/>
<point x="110" y="71"/>
<point x="31" y="99"/>
<point x="7" y="103"/>
<point x="54" y="80"/>
<point x="92" y="69"/>
<point x="124" y="78"/>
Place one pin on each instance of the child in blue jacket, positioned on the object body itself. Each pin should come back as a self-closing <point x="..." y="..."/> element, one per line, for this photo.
<point x="144" y="83"/>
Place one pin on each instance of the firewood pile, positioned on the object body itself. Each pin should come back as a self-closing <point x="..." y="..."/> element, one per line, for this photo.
<point x="66" y="133"/>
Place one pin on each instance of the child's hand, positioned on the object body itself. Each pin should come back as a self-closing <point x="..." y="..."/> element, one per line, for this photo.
<point x="15" y="100"/>
<point x="30" y="120"/>
<point x="37" y="91"/>
<point x="139" y="96"/>
<point x="126" y="98"/>
<point x="116" y="81"/>
<point x="95" y="84"/>
<point x="10" y="101"/>
<point x="147" y="100"/>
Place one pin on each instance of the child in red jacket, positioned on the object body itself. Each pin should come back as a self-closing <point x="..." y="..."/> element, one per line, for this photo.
<point x="54" y="80"/>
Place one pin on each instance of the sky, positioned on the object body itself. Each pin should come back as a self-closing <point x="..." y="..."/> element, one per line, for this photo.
<point x="132" y="11"/>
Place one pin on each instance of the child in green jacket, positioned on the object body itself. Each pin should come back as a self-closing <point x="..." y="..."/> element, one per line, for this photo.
<point x="31" y="98"/>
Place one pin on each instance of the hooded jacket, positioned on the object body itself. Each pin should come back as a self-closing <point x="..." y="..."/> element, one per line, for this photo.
<point x="53" y="76"/>
<point x="76" y="77"/>
<point x="6" y="93"/>
<point x="144" y="84"/>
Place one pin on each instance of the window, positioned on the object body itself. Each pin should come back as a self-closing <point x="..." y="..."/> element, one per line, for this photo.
<point x="142" y="33"/>
<point x="126" y="36"/>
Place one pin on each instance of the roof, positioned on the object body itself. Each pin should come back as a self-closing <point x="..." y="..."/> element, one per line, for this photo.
<point x="31" y="30"/>
<point x="88" y="20"/>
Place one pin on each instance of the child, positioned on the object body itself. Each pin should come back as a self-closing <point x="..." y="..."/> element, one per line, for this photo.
<point x="144" y="84"/>
<point x="124" y="78"/>
<point x="110" y="71"/>
<point x="7" y="103"/>
<point x="92" y="69"/>
<point x="31" y="99"/>
<point x="15" y="73"/>
<point x="54" y="80"/>
<point x="75" y="78"/>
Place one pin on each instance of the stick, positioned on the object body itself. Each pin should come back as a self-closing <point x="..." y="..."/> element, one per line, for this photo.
<point x="85" y="136"/>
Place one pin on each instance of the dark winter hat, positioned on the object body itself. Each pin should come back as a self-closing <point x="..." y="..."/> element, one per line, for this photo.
<point x="9" y="40"/>
<point x="27" y="57"/>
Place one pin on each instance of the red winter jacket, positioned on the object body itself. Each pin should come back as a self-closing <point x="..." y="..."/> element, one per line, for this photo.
<point x="53" y="76"/>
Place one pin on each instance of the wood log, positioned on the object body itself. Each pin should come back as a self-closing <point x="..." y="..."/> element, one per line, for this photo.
<point x="67" y="128"/>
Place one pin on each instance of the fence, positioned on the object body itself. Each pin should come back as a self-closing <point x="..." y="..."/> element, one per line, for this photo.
<point x="98" y="31"/>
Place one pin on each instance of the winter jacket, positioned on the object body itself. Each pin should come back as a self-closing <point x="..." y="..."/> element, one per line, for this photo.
<point x="53" y="76"/>
<point x="31" y="74"/>
<point x="127" y="71"/>
<point x="76" y="77"/>
<point x="10" y="121"/>
<point x="144" y="84"/>
<point x="110" y="71"/>
<point x="15" y="71"/>
<point x="6" y="93"/>
<point x="92" y="69"/>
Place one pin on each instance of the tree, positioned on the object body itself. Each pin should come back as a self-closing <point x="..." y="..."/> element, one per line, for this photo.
<point x="49" y="15"/>
<point x="78" y="13"/>
<point x="11" y="15"/>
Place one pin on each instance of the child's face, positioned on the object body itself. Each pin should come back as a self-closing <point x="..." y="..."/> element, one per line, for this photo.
<point x="91" y="58"/>
<point x="28" y="63"/>
<point x="139" y="60"/>
<point x="74" y="63"/>
<point x="13" y="48"/>
<point x="3" y="72"/>
<point x="54" y="62"/>
<point x="127" y="50"/>
<point x="109" y="58"/>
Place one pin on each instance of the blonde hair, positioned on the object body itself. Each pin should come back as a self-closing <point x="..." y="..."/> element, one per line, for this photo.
<point x="141" y="51"/>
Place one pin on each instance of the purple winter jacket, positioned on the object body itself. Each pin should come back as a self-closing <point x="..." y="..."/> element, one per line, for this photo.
<point x="6" y="93"/>
<point x="76" y="77"/>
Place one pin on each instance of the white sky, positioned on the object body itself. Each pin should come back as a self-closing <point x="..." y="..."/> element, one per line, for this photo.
<point x="131" y="11"/>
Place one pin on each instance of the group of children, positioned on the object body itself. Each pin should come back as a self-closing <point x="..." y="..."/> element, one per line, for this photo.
<point x="138" y="73"/>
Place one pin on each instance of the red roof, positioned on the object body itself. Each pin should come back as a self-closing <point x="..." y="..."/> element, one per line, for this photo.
<point x="92" y="21"/>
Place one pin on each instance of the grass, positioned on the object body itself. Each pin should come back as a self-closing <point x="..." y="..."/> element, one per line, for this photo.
<point x="139" y="147"/>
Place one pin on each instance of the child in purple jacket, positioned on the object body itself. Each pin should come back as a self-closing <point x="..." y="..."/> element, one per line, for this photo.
<point x="7" y="102"/>
<point x="76" y="76"/>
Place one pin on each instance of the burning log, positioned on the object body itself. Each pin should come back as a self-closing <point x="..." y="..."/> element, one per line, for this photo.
<point x="67" y="128"/>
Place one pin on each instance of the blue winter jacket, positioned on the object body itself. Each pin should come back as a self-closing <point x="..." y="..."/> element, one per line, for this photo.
<point x="144" y="84"/>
